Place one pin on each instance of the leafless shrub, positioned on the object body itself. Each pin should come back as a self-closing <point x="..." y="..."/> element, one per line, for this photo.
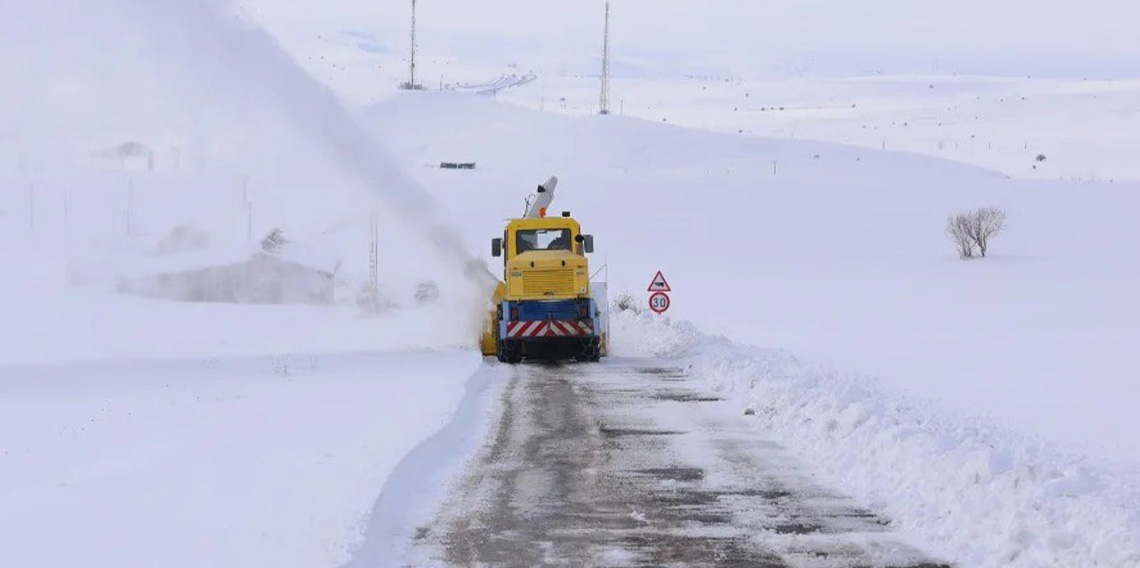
<point x="273" y="241"/>
<point x="372" y="301"/>
<point x="972" y="231"/>
<point x="287" y="365"/>
<point x="986" y="224"/>
<point x="958" y="227"/>
<point x="183" y="238"/>
<point x="627" y="303"/>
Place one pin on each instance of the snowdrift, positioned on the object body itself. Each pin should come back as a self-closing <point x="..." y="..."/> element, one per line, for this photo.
<point x="974" y="493"/>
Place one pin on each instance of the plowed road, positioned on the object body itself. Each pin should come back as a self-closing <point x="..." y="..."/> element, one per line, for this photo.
<point x="629" y="463"/>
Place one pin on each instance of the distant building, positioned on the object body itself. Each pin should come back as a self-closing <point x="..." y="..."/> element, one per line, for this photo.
<point x="127" y="156"/>
<point x="251" y="278"/>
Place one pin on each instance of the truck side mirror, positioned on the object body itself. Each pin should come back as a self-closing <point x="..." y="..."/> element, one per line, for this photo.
<point x="588" y="243"/>
<point x="496" y="247"/>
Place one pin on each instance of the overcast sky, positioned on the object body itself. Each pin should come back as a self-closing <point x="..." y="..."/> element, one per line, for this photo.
<point x="1070" y="37"/>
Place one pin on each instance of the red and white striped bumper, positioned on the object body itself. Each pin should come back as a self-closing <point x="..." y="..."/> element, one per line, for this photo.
<point x="548" y="328"/>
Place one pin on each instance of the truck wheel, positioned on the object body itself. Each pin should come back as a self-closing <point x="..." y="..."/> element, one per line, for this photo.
<point x="509" y="352"/>
<point x="591" y="350"/>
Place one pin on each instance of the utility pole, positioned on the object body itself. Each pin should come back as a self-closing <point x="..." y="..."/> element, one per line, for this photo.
<point x="374" y="255"/>
<point x="130" y="206"/>
<point x="247" y="205"/>
<point x="604" y="106"/>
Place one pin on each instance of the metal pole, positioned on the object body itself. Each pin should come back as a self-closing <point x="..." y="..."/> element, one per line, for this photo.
<point x="130" y="205"/>
<point x="604" y="106"/>
<point x="374" y="254"/>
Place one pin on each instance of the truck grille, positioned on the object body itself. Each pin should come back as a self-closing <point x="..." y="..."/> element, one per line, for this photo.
<point x="558" y="282"/>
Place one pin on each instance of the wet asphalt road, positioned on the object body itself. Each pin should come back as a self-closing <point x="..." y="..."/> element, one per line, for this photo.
<point x="628" y="463"/>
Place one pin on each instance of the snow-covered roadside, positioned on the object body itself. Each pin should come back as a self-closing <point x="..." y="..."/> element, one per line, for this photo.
<point x="258" y="461"/>
<point x="428" y="473"/>
<point x="963" y="489"/>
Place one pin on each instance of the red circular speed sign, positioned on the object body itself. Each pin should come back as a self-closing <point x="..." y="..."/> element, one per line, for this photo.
<point x="659" y="302"/>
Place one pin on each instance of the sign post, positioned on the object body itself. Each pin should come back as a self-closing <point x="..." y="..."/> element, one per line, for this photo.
<point x="659" y="290"/>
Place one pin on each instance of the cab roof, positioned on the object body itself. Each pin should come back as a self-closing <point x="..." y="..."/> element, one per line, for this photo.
<point x="544" y="223"/>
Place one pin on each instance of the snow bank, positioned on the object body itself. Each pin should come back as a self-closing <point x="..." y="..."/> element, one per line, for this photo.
<point x="427" y="474"/>
<point x="969" y="491"/>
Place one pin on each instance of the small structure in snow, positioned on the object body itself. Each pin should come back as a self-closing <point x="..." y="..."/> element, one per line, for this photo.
<point x="427" y="293"/>
<point x="457" y="165"/>
<point x="289" y="275"/>
<point x="128" y="155"/>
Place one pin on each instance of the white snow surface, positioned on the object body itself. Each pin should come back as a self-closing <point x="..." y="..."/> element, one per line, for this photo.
<point x="970" y="492"/>
<point x="256" y="461"/>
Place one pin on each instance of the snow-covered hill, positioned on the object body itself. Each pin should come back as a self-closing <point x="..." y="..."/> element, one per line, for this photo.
<point x="1024" y="127"/>
<point x="840" y="255"/>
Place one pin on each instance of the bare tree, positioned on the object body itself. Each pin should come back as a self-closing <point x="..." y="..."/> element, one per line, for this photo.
<point x="958" y="227"/>
<point x="627" y="303"/>
<point x="972" y="231"/>
<point x="985" y="224"/>
<point x="273" y="241"/>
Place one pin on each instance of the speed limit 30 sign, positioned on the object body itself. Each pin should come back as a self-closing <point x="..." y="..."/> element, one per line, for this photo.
<point x="659" y="298"/>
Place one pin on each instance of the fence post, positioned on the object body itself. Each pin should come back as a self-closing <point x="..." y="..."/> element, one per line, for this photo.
<point x="32" y="206"/>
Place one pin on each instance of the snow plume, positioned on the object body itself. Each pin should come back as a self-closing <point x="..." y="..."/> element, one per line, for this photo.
<point x="193" y="73"/>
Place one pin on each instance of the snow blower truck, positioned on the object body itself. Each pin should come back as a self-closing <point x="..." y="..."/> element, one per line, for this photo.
<point x="545" y="307"/>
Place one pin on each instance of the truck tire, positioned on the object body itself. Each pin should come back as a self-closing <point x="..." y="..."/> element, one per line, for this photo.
<point x="591" y="351"/>
<point x="509" y="352"/>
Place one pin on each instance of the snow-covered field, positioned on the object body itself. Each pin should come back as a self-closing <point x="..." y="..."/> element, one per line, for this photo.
<point x="1001" y="427"/>
<point x="257" y="461"/>
<point x="1085" y="129"/>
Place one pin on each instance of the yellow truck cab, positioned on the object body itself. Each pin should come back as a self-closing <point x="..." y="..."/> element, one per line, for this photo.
<point x="546" y="307"/>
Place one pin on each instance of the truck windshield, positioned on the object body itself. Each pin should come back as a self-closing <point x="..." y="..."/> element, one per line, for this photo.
<point x="543" y="239"/>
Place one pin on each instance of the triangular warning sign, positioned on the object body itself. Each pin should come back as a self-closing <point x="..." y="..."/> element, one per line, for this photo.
<point x="659" y="284"/>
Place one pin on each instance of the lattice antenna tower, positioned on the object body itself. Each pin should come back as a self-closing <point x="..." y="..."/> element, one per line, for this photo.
<point x="604" y="103"/>
<point x="412" y="80"/>
<point x="411" y="85"/>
